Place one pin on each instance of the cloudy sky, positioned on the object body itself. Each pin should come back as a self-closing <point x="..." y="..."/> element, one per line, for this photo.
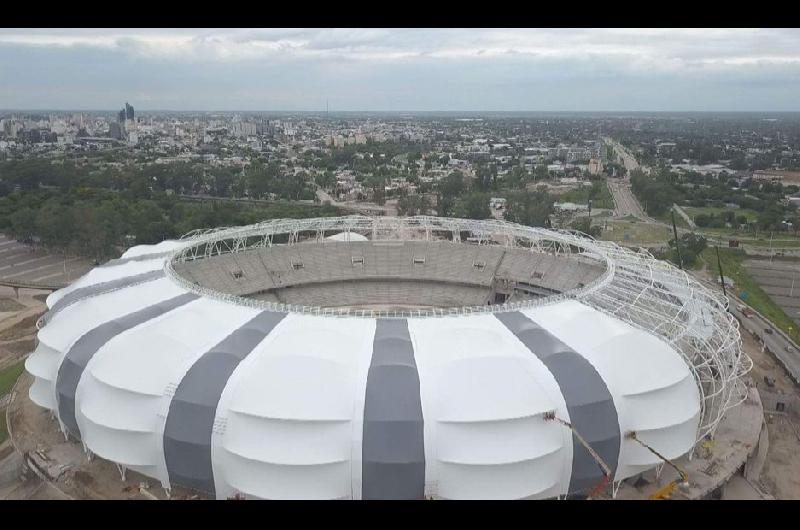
<point x="402" y="69"/>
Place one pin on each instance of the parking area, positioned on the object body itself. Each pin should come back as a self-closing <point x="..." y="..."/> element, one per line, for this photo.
<point x="781" y="281"/>
<point x="24" y="264"/>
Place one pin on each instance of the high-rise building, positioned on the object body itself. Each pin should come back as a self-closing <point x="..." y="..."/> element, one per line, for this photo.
<point x="128" y="111"/>
<point x="121" y="116"/>
<point x="115" y="131"/>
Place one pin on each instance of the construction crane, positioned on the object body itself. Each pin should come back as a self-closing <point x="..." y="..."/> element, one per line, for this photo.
<point x="665" y="491"/>
<point x="607" y="475"/>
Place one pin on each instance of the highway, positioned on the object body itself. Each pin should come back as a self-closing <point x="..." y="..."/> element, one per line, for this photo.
<point x="775" y="342"/>
<point x="625" y="202"/>
<point x="628" y="160"/>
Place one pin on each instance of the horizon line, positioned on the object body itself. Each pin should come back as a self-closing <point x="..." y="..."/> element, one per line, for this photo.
<point x="322" y="111"/>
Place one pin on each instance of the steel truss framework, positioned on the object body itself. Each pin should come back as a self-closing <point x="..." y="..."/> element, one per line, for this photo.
<point x="636" y="288"/>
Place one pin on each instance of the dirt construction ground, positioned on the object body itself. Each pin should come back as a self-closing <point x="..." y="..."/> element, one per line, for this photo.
<point x="18" y="318"/>
<point x="781" y="474"/>
<point x="36" y="431"/>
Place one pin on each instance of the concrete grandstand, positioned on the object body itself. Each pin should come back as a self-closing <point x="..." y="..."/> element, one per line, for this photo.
<point x="403" y="358"/>
<point x="407" y="274"/>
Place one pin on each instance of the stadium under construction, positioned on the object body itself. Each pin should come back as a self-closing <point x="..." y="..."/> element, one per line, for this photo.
<point x="389" y="358"/>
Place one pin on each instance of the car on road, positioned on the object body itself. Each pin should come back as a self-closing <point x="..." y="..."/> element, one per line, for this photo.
<point x="789" y="349"/>
<point x="768" y="331"/>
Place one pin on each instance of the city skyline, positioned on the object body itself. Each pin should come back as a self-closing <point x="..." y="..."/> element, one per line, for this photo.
<point x="402" y="70"/>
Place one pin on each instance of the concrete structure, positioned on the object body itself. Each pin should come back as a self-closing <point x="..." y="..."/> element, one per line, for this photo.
<point x="259" y="361"/>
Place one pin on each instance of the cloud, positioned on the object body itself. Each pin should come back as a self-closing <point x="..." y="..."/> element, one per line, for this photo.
<point x="649" y="50"/>
<point x="403" y="69"/>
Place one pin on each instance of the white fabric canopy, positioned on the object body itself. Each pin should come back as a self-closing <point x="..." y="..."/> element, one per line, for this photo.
<point x="289" y="421"/>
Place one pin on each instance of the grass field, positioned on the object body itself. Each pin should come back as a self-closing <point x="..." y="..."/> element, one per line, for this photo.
<point x="635" y="232"/>
<point x="581" y="196"/>
<point x="692" y="211"/>
<point x="781" y="239"/>
<point x="3" y="429"/>
<point x="733" y="267"/>
<point x="8" y="377"/>
<point x="666" y="217"/>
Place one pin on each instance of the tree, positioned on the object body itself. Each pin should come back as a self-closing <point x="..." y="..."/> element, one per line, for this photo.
<point x="474" y="205"/>
<point x="23" y="224"/>
<point x="409" y="205"/>
<point x="584" y="224"/>
<point x="450" y="189"/>
<point x="325" y="180"/>
<point x="702" y="220"/>
<point x="486" y="176"/>
<point x="530" y="208"/>
<point x="223" y="180"/>
<point x="691" y="247"/>
<point x="98" y="229"/>
<point x="517" y="177"/>
<point x="149" y="224"/>
<point x="771" y="217"/>
<point x="657" y="194"/>
<point x="55" y="224"/>
<point x="377" y="183"/>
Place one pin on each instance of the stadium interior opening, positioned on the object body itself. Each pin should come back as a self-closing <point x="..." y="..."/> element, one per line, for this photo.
<point x="391" y="274"/>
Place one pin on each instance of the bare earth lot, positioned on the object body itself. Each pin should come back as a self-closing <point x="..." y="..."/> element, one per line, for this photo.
<point x="23" y="264"/>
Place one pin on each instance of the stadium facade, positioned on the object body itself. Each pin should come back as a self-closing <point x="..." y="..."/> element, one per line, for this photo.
<point x="370" y="358"/>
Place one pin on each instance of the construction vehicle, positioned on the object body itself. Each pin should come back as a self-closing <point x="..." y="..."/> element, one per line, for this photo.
<point x="607" y="475"/>
<point x="665" y="491"/>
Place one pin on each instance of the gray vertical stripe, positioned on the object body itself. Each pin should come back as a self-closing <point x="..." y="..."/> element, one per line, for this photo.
<point x="101" y="288"/>
<point x="78" y="357"/>
<point x="589" y="402"/>
<point x="142" y="257"/>
<point x="393" y="449"/>
<point x="190" y="420"/>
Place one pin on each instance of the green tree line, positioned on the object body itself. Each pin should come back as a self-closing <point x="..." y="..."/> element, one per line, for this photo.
<point x="96" y="223"/>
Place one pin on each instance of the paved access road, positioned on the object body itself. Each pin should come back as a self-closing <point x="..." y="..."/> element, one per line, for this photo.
<point x="775" y="342"/>
<point x="625" y="202"/>
<point x="628" y="160"/>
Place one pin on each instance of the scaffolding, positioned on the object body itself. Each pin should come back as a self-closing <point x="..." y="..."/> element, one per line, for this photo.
<point x="634" y="287"/>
